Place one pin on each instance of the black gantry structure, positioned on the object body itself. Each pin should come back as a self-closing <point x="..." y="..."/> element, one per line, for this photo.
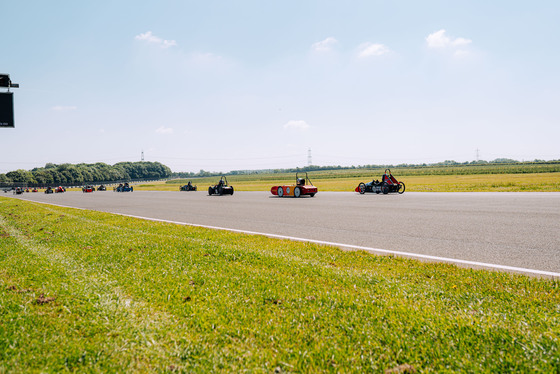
<point x="7" y="101"/>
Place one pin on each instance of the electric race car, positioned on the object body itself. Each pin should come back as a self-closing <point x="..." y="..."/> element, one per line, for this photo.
<point x="387" y="185"/>
<point x="102" y="188"/>
<point x="59" y="189"/>
<point x="123" y="188"/>
<point x="49" y="190"/>
<point x="188" y="187"/>
<point x="88" y="189"/>
<point x="302" y="187"/>
<point x="222" y="188"/>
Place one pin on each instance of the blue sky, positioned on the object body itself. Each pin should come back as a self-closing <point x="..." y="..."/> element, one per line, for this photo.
<point x="223" y="85"/>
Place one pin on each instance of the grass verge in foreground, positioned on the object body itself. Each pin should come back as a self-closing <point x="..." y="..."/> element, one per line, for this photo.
<point x="89" y="291"/>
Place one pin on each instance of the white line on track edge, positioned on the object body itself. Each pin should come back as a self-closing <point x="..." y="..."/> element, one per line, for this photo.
<point x="333" y="244"/>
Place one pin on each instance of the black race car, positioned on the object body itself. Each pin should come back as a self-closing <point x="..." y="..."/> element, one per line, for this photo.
<point x="188" y="187"/>
<point x="388" y="184"/>
<point x="222" y="188"/>
<point x="123" y="188"/>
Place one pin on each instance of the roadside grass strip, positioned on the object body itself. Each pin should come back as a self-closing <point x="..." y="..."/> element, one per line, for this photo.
<point x="94" y="292"/>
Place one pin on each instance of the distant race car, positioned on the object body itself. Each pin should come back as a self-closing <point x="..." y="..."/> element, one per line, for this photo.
<point x="102" y="188"/>
<point x="59" y="189"/>
<point x="18" y="191"/>
<point x="88" y="189"/>
<point x="387" y="185"/>
<point x="303" y="187"/>
<point x="35" y="190"/>
<point x="123" y="188"/>
<point x="222" y="188"/>
<point x="188" y="187"/>
<point x="49" y="190"/>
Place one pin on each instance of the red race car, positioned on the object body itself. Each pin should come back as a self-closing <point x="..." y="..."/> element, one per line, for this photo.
<point x="88" y="189"/>
<point x="302" y="187"/>
<point x="59" y="189"/>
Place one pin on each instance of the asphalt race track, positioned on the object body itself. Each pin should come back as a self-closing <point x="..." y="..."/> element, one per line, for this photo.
<point x="511" y="229"/>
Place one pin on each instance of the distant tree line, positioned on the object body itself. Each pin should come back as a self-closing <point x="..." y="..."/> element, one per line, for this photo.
<point x="78" y="174"/>
<point x="201" y="173"/>
<point x="443" y="164"/>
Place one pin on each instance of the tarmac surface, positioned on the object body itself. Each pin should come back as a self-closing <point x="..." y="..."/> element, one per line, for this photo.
<point x="512" y="229"/>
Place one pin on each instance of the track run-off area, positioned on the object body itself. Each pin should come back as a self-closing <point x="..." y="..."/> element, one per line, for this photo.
<point x="516" y="231"/>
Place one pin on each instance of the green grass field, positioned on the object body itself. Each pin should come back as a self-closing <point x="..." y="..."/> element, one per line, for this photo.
<point x="347" y="180"/>
<point x="83" y="291"/>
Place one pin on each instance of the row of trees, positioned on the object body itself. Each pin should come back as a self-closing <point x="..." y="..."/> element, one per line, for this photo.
<point x="70" y="174"/>
<point x="444" y="164"/>
<point x="447" y="163"/>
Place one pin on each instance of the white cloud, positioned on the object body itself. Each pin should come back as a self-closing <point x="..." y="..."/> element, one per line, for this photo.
<point x="324" y="45"/>
<point x="63" y="108"/>
<point x="148" y="37"/>
<point x="461" y="41"/>
<point x="169" y="43"/>
<point x="372" y="49"/>
<point x="296" y="125"/>
<point x="164" y="130"/>
<point x="438" y="39"/>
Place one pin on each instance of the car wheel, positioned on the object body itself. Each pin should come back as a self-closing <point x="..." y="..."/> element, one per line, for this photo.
<point x="220" y="190"/>
<point x="280" y="192"/>
<point x="210" y="190"/>
<point x="385" y="188"/>
<point x="231" y="191"/>
<point x="362" y="187"/>
<point x="401" y="189"/>
<point x="297" y="192"/>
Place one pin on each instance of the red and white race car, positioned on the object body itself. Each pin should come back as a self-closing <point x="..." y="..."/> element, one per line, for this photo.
<point x="302" y="187"/>
<point x="88" y="189"/>
<point x="59" y="189"/>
